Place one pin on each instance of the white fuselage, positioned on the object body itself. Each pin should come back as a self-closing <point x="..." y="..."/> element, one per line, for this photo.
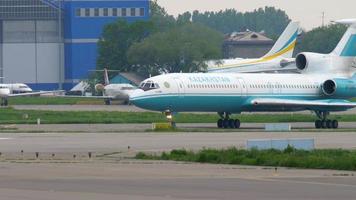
<point x="16" y="88"/>
<point x="259" y="65"/>
<point x="119" y="91"/>
<point x="221" y="92"/>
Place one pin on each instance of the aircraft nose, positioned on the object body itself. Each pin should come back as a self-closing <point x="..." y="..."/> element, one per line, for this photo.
<point x="135" y="95"/>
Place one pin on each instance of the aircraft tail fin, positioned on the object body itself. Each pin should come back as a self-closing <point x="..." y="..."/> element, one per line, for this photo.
<point x="286" y="42"/>
<point x="347" y="45"/>
<point x="106" y="77"/>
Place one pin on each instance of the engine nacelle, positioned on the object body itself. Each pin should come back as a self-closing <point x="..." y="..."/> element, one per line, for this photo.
<point x="311" y="61"/>
<point x="340" y="88"/>
<point x="99" y="87"/>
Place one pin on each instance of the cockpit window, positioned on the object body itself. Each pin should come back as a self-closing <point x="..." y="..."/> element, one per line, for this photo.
<point x="148" y="85"/>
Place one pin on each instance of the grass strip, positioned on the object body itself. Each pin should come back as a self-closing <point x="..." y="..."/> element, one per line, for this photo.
<point x="336" y="159"/>
<point x="53" y="101"/>
<point x="13" y="116"/>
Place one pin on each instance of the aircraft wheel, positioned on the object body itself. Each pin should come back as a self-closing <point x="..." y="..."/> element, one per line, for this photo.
<point x="318" y="124"/>
<point x="231" y="123"/>
<point x="6" y="102"/>
<point x="220" y="123"/>
<point x="225" y="123"/>
<point x="237" y="123"/>
<point x="324" y="124"/>
<point x="329" y="123"/>
<point x="107" y="102"/>
<point x="335" y="124"/>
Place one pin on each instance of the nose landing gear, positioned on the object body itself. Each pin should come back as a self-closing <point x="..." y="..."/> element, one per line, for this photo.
<point x="226" y="122"/>
<point x="325" y="123"/>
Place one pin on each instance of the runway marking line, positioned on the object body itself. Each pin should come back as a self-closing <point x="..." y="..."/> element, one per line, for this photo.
<point x="6" y="138"/>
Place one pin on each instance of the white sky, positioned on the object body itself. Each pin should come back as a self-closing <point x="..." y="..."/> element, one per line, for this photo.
<point x="308" y="12"/>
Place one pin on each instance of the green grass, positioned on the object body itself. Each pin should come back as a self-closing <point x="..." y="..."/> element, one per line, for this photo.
<point x="317" y="159"/>
<point x="52" y="101"/>
<point x="13" y="116"/>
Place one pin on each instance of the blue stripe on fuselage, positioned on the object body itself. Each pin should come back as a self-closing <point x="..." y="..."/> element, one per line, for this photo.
<point x="234" y="103"/>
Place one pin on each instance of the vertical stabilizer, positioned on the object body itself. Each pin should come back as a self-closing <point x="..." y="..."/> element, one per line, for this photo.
<point x="286" y="42"/>
<point x="347" y="44"/>
<point x="106" y="77"/>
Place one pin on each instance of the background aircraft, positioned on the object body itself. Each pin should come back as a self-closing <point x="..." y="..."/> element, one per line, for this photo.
<point x="17" y="90"/>
<point x="325" y="82"/>
<point x="278" y="59"/>
<point x="110" y="91"/>
<point x="114" y="91"/>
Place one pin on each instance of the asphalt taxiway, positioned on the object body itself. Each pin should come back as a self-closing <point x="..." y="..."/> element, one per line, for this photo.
<point x="155" y="142"/>
<point x="64" y="170"/>
<point x="187" y="127"/>
<point x="150" y="180"/>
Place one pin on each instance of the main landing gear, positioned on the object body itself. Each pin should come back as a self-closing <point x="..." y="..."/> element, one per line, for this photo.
<point x="107" y="102"/>
<point x="4" y="102"/>
<point x="226" y="122"/>
<point x="325" y="123"/>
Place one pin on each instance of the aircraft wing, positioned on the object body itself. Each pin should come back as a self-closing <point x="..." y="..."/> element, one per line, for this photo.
<point x="86" y="97"/>
<point x="34" y="93"/>
<point x="327" y="104"/>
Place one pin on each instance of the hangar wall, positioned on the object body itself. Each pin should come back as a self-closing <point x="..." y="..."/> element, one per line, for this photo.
<point x="52" y="44"/>
<point x="30" y="52"/>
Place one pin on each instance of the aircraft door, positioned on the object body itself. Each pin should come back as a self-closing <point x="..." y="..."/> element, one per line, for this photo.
<point x="276" y="88"/>
<point x="180" y="87"/>
<point x="243" y="87"/>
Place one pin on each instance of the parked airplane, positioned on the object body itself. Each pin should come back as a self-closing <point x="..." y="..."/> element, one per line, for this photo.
<point x="278" y="59"/>
<point x="324" y="85"/>
<point x="16" y="90"/>
<point x="111" y="91"/>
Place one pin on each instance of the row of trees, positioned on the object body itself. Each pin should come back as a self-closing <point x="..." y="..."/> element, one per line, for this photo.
<point x="158" y="45"/>
<point x="182" y="44"/>
<point x="269" y="19"/>
<point x="322" y="39"/>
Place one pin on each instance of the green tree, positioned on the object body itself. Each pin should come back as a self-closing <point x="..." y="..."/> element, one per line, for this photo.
<point x="184" y="48"/>
<point x="321" y="39"/>
<point x="159" y="16"/>
<point x="117" y="39"/>
<point x="268" y="19"/>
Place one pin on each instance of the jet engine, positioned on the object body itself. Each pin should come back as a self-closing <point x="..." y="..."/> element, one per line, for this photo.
<point x="311" y="61"/>
<point x="99" y="87"/>
<point x="340" y="88"/>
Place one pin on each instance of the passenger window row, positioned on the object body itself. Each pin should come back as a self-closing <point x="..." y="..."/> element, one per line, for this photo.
<point x="287" y="86"/>
<point x="212" y="86"/>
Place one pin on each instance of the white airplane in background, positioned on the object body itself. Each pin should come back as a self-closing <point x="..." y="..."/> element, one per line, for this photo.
<point x="17" y="90"/>
<point x="324" y="84"/>
<point x="113" y="91"/>
<point x="278" y="59"/>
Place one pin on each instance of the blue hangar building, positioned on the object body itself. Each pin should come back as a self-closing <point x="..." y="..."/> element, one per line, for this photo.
<point x="52" y="44"/>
